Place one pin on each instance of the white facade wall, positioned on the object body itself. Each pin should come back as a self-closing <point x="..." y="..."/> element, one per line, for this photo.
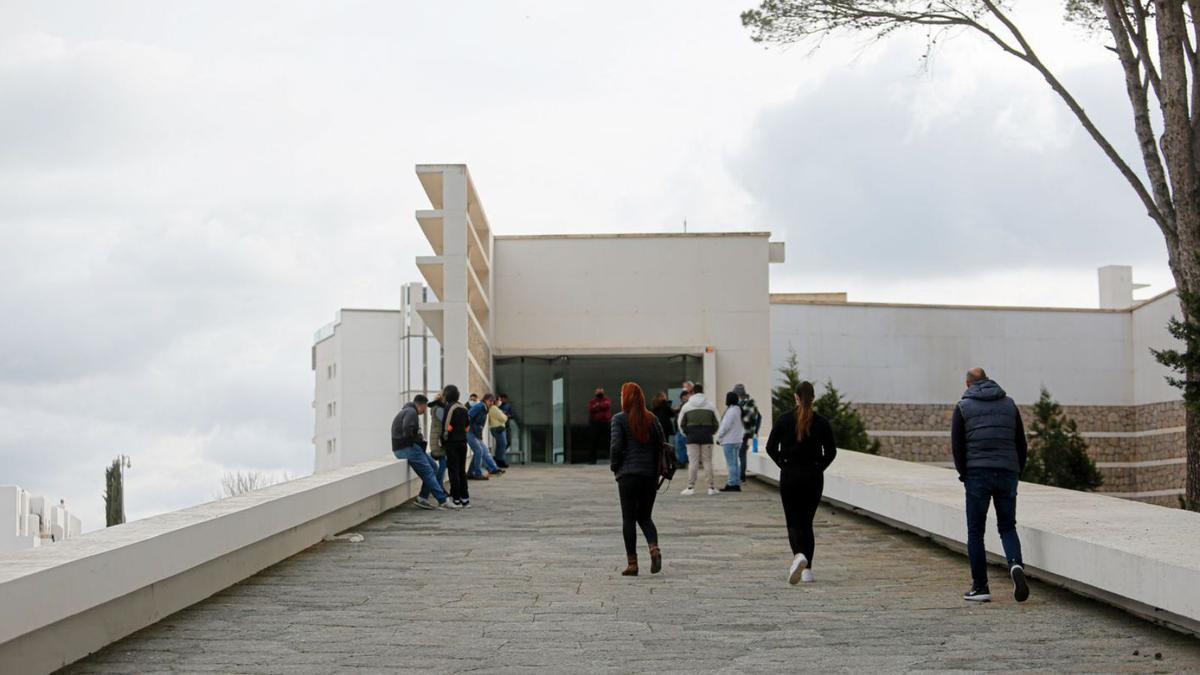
<point x="563" y="295"/>
<point x="919" y="354"/>
<point x="364" y="390"/>
<point x="1150" y="332"/>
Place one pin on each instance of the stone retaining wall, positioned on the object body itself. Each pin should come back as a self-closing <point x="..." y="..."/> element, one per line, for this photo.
<point x="1132" y="445"/>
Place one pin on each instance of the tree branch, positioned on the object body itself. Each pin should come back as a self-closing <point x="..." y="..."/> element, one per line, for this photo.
<point x="1115" y="157"/>
<point x="1135" y="88"/>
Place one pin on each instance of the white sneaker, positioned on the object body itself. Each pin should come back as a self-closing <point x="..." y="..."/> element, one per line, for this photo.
<point x="806" y="576"/>
<point x="450" y="506"/>
<point x="423" y="503"/>
<point x="712" y="492"/>
<point x="688" y="492"/>
<point x="799" y="566"/>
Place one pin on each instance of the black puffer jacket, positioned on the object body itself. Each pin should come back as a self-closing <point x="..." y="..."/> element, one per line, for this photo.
<point x="628" y="456"/>
<point x="986" y="431"/>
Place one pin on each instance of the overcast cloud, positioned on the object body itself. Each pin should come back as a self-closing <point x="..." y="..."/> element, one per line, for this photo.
<point x="188" y="190"/>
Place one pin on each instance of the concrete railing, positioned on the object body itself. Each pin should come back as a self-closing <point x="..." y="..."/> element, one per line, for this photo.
<point x="64" y="601"/>
<point x="1143" y="558"/>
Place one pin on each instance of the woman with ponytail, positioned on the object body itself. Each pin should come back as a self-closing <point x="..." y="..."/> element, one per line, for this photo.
<point x="636" y="444"/>
<point x="802" y="445"/>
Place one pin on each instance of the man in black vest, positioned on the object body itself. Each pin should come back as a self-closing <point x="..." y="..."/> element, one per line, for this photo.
<point x="988" y="440"/>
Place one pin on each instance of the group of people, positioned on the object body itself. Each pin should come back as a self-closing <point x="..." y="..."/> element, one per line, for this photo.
<point x="454" y="428"/>
<point x="693" y="427"/>
<point x="987" y="441"/>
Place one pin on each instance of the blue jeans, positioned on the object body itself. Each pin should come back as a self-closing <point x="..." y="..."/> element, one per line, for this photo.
<point x="420" y="462"/>
<point x="731" y="463"/>
<point x="501" y="436"/>
<point x="681" y="448"/>
<point x="481" y="457"/>
<point x="984" y="486"/>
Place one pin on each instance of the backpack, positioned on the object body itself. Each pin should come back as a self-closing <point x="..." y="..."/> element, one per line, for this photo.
<point x="667" y="462"/>
<point x="437" y="428"/>
<point x="445" y="435"/>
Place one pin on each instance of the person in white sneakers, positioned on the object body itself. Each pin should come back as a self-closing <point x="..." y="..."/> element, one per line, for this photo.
<point x="729" y="436"/>
<point x="802" y="445"/>
<point x="699" y="421"/>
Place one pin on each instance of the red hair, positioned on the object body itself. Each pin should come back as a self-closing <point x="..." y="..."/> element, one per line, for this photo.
<point x="633" y="404"/>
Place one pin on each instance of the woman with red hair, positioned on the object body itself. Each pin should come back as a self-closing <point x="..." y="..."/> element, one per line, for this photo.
<point x="636" y="445"/>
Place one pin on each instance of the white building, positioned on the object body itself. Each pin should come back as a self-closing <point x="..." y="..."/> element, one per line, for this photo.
<point x="367" y="364"/>
<point x="548" y="318"/>
<point x="27" y="521"/>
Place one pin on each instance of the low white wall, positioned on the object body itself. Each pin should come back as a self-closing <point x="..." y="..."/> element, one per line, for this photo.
<point x="65" y="601"/>
<point x="878" y="353"/>
<point x="1138" y="556"/>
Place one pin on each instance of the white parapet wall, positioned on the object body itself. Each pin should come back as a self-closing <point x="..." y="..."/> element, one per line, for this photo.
<point x="1143" y="558"/>
<point x="65" y="601"/>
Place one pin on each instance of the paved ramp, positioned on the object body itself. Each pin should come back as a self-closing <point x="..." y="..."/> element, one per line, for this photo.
<point x="529" y="580"/>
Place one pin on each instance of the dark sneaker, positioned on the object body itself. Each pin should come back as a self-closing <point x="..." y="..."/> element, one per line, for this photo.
<point x="498" y="471"/>
<point x="481" y="477"/>
<point x="978" y="594"/>
<point x="731" y="488"/>
<point x="1020" y="587"/>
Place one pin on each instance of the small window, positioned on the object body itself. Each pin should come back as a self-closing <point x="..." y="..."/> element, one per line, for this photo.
<point x="331" y="371"/>
<point x="329" y="445"/>
<point x="330" y="409"/>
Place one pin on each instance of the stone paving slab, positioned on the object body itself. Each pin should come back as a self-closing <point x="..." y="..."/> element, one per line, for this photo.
<point x="528" y="580"/>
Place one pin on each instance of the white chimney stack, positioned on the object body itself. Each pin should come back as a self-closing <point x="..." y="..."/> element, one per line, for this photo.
<point x="1117" y="287"/>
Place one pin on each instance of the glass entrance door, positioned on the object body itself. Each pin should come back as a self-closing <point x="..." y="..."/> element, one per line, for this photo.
<point x="550" y="396"/>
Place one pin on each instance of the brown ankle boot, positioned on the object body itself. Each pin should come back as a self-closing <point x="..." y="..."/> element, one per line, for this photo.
<point x="631" y="570"/>
<point x="655" y="559"/>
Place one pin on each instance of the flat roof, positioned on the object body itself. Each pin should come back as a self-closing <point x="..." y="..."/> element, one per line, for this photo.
<point x="632" y="235"/>
<point x="807" y="299"/>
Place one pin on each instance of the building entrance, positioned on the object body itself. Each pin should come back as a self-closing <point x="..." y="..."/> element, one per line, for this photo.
<point x="550" y="398"/>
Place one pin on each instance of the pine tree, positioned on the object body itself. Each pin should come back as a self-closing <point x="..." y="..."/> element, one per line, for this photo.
<point x="783" y="397"/>
<point x="849" y="430"/>
<point x="114" y="491"/>
<point x="1057" y="452"/>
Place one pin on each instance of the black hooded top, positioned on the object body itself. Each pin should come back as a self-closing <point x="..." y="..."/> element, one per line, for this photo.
<point x="987" y="432"/>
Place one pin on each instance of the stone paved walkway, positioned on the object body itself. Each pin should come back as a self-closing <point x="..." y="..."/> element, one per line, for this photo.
<point x="528" y="580"/>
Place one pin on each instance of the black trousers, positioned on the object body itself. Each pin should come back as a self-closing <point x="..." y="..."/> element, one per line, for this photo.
<point x="800" y="492"/>
<point x="456" y="467"/>
<point x="601" y="433"/>
<point x="637" y="505"/>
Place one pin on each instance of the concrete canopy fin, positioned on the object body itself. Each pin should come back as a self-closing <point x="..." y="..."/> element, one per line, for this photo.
<point x="434" y="316"/>
<point x="432" y="224"/>
<point x="433" y="269"/>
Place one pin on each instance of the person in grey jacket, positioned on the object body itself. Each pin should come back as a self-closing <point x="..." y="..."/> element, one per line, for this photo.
<point x="987" y="438"/>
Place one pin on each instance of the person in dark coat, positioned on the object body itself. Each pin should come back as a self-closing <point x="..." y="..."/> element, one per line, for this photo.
<point x="802" y="445"/>
<point x="987" y="438"/>
<point x="454" y="442"/>
<point x="636" y="443"/>
<point x="599" y="418"/>
<point x="661" y="407"/>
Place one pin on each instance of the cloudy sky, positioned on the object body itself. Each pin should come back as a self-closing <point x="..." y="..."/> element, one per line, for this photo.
<point x="189" y="189"/>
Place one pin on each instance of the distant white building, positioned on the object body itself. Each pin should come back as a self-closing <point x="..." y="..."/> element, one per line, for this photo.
<point x="27" y="521"/>
<point x="548" y="318"/>
<point x="367" y="364"/>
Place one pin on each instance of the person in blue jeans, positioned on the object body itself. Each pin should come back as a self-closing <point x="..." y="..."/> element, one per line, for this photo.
<point x="729" y="435"/>
<point x="988" y="441"/>
<point x="477" y="415"/>
<point x="408" y="443"/>
<point x="681" y="457"/>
